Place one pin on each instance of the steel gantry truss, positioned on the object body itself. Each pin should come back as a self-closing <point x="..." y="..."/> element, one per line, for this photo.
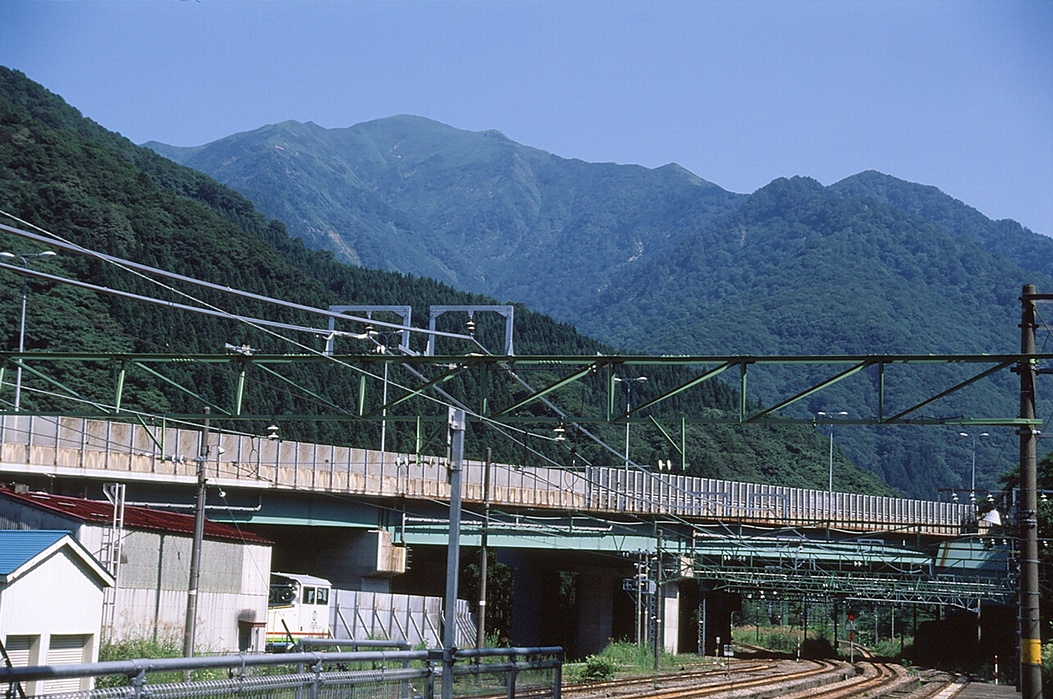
<point x="539" y="383"/>
<point x="860" y="570"/>
<point x="957" y="590"/>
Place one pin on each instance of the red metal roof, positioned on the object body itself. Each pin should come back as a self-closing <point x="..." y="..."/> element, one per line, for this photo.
<point x="101" y="513"/>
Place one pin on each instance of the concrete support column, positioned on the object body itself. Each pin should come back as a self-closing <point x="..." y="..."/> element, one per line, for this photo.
<point x="669" y="606"/>
<point x="526" y="603"/>
<point x="595" y="610"/>
<point x="715" y="608"/>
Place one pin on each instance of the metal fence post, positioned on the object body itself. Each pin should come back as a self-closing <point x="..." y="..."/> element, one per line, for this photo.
<point x="557" y="681"/>
<point x="316" y="681"/>
<point x="404" y="691"/>
<point x="429" y="684"/>
<point x="510" y="678"/>
<point x="300" y="669"/>
<point x="139" y="683"/>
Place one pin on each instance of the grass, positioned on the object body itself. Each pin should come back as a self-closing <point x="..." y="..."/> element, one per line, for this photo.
<point x="623" y="659"/>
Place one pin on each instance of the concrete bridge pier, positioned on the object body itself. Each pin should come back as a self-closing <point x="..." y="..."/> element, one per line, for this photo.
<point x="543" y="605"/>
<point x="595" y="592"/>
<point x="669" y="615"/>
<point x="574" y="601"/>
<point x="714" y="619"/>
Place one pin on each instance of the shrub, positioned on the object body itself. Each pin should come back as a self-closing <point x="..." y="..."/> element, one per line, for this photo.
<point x="599" y="667"/>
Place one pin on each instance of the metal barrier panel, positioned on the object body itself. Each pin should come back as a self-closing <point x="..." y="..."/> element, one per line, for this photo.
<point x="171" y="451"/>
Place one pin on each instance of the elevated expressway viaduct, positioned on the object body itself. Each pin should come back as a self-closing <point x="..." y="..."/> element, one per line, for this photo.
<point x="648" y="550"/>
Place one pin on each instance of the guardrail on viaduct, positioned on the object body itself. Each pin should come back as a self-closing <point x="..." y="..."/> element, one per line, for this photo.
<point x="70" y="446"/>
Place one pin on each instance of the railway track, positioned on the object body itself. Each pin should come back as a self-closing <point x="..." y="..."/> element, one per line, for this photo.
<point x="737" y="675"/>
<point x="652" y="685"/>
<point x="782" y="679"/>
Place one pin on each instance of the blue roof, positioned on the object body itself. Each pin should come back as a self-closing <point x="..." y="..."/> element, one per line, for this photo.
<point x="19" y="546"/>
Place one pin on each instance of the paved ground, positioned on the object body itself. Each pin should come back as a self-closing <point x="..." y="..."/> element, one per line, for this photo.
<point x="988" y="691"/>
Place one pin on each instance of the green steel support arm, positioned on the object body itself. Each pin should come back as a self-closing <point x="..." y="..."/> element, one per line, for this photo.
<point x="954" y="389"/>
<point x="814" y="389"/>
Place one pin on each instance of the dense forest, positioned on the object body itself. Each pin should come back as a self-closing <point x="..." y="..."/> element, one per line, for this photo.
<point x="66" y="175"/>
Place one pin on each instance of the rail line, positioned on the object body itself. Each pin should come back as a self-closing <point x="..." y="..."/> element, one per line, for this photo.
<point x="785" y="679"/>
<point x="652" y="685"/>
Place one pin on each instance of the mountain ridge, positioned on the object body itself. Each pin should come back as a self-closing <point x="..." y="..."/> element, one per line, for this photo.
<point x="451" y="193"/>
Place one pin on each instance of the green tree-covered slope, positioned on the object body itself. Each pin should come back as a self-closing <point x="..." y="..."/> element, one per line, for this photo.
<point x="802" y="269"/>
<point x="68" y="175"/>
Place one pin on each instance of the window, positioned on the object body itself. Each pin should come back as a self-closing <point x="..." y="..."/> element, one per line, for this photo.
<point x="282" y="594"/>
<point x="323" y="596"/>
<point x="308" y="595"/>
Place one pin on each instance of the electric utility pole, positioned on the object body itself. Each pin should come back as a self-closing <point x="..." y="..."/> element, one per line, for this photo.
<point x="1030" y="635"/>
<point x="196" y="545"/>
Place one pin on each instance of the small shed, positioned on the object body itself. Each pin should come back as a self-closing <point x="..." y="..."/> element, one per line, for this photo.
<point x="51" y="603"/>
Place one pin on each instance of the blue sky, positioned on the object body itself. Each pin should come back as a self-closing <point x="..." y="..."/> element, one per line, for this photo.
<point x="953" y="94"/>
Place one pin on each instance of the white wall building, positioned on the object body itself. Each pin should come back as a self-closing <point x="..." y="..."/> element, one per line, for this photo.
<point x="51" y="603"/>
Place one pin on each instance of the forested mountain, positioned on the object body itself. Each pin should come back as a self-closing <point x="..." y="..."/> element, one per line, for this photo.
<point x="660" y="261"/>
<point x="802" y="269"/>
<point x="65" y="174"/>
<point x="476" y="210"/>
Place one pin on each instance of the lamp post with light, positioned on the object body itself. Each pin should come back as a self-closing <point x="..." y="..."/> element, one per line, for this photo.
<point x="628" y="407"/>
<point x="22" y="325"/>
<point x="831" y="416"/>
<point x="972" y="482"/>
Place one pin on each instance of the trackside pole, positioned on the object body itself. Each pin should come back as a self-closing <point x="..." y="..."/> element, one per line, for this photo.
<point x="197" y="544"/>
<point x="1030" y="636"/>
<point x="480" y="633"/>
<point x="449" y="628"/>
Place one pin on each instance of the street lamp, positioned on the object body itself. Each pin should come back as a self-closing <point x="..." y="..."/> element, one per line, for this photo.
<point x="22" y="326"/>
<point x="831" y="416"/>
<point x="972" y="483"/>
<point x="628" y="407"/>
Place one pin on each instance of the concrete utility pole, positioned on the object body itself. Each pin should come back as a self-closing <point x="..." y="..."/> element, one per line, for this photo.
<point x="480" y="631"/>
<point x="449" y="629"/>
<point x="196" y="545"/>
<point x="1030" y="635"/>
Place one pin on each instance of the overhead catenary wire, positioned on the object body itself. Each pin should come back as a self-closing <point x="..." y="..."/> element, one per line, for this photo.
<point x="141" y="270"/>
<point x="258" y="322"/>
